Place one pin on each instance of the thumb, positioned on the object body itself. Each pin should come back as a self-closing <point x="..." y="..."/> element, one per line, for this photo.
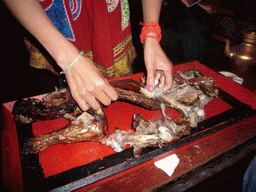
<point x="150" y="80"/>
<point x="168" y="80"/>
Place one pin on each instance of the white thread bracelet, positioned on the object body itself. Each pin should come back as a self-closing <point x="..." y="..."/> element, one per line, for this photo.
<point x="76" y="59"/>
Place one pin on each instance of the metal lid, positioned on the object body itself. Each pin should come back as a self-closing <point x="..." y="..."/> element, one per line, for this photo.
<point x="249" y="35"/>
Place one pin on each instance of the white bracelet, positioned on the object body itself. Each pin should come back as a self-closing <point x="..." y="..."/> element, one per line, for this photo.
<point x="76" y="59"/>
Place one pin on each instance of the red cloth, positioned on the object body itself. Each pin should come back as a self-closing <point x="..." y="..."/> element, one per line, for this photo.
<point x="100" y="28"/>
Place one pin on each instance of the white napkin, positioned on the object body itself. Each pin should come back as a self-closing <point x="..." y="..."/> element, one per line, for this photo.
<point x="168" y="164"/>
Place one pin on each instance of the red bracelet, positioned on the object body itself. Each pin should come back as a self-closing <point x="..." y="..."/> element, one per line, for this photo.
<point x="151" y="26"/>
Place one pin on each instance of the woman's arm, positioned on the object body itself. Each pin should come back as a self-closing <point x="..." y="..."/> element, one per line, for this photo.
<point x="151" y="10"/>
<point x="156" y="61"/>
<point x="85" y="80"/>
<point x="29" y="13"/>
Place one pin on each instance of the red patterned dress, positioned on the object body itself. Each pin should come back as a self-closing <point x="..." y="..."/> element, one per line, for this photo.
<point x="100" y="28"/>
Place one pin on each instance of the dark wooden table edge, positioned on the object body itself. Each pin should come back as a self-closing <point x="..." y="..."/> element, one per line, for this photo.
<point x="211" y="168"/>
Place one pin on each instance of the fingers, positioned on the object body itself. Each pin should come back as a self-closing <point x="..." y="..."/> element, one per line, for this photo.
<point x="105" y="95"/>
<point x="110" y="91"/>
<point x="81" y="103"/>
<point x="87" y="99"/>
<point x="161" y="79"/>
<point x="150" y="79"/>
<point x="164" y="79"/>
<point x="167" y="80"/>
<point x="92" y="102"/>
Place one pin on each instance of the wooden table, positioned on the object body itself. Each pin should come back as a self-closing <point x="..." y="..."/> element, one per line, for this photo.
<point x="222" y="139"/>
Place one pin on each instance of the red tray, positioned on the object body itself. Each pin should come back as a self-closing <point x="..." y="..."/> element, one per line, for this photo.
<point x="63" y="165"/>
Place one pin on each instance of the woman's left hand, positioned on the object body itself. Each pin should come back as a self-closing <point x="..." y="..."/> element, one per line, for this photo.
<point x="157" y="64"/>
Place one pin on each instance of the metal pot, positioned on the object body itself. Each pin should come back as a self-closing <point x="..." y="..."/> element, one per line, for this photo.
<point x="244" y="53"/>
<point x="243" y="56"/>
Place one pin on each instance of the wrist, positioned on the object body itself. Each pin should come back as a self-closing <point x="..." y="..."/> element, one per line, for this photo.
<point x="66" y="56"/>
<point x="150" y="30"/>
<point x="72" y="63"/>
<point x="151" y="34"/>
<point x="151" y="42"/>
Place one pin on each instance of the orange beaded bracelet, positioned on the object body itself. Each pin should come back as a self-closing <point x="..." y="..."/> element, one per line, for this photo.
<point x="151" y="26"/>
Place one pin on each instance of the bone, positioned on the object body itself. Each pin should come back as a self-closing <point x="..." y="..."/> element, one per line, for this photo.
<point x="89" y="126"/>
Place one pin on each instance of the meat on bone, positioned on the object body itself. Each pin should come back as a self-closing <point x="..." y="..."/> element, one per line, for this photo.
<point x="88" y="126"/>
<point x="190" y="92"/>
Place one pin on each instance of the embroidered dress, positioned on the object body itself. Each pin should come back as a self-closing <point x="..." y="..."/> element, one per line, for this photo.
<point x="100" y="28"/>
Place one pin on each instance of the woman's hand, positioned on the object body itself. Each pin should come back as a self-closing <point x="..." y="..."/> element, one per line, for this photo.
<point x="88" y="86"/>
<point x="86" y="82"/>
<point x="157" y="64"/>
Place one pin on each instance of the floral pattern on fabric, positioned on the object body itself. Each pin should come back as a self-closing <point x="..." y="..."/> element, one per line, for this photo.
<point x="125" y="11"/>
<point x="112" y="5"/>
<point x="125" y="14"/>
<point x="75" y="6"/>
<point x="57" y="12"/>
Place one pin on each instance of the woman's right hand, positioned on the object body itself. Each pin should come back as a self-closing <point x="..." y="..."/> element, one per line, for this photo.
<point x="88" y="86"/>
